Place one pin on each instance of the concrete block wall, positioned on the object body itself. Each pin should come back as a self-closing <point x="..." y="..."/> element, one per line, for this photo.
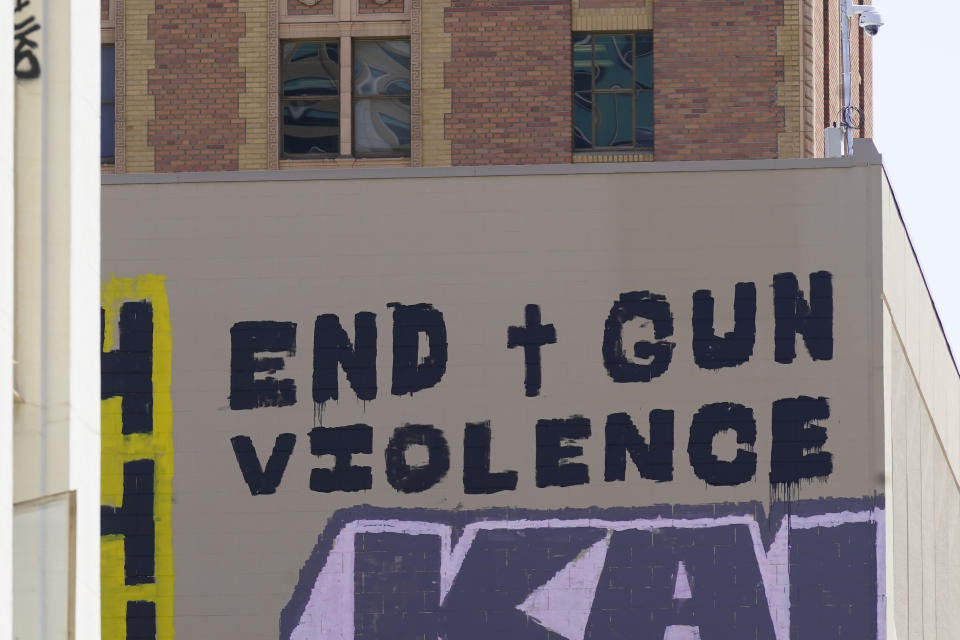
<point x="923" y="544"/>
<point x="259" y="540"/>
<point x="922" y="412"/>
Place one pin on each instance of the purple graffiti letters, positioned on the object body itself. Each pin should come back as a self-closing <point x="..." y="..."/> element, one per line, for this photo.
<point x="587" y="578"/>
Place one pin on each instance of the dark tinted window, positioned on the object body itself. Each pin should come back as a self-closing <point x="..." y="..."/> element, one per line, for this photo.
<point x="107" y="104"/>
<point x="310" y="97"/>
<point x="613" y="91"/>
<point x="381" y="97"/>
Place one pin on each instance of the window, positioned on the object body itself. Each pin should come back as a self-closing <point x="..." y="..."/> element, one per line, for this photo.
<point x="613" y="91"/>
<point x="310" y="98"/>
<point x="312" y="83"/>
<point x="381" y="97"/>
<point x="107" y="104"/>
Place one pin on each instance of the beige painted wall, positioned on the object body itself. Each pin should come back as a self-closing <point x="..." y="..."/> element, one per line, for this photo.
<point x="923" y="512"/>
<point x="479" y="249"/>
<point x="922" y="396"/>
<point x="912" y="312"/>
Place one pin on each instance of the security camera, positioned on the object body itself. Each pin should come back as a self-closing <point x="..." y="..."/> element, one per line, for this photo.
<point x="870" y="21"/>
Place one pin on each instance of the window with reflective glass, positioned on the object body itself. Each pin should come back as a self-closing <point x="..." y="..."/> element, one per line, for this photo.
<point x="612" y="91"/>
<point x="310" y="97"/>
<point x="108" y="114"/>
<point x="381" y="97"/>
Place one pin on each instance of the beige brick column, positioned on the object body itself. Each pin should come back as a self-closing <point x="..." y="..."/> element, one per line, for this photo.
<point x="866" y="71"/>
<point x="254" y="48"/>
<point x="138" y="105"/>
<point x="612" y="15"/>
<point x="834" y="88"/>
<point x="789" y="91"/>
<point x="435" y="51"/>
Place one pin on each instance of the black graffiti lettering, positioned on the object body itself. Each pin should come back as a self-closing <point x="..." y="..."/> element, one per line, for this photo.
<point x="793" y="315"/>
<point x="409" y="321"/>
<point x="263" y="481"/>
<point x="654" y="461"/>
<point x="414" y="479"/>
<point x="247" y="339"/>
<point x="134" y="521"/>
<point x="332" y="346"/>
<point x="711" y="420"/>
<point x="794" y="439"/>
<point x="341" y="443"/>
<point x="21" y="5"/>
<point x="127" y="371"/>
<point x="141" y="620"/>
<point x="23" y="51"/>
<point x="17" y="26"/>
<point x="531" y="337"/>
<point x="554" y="452"/>
<point x="477" y="478"/>
<point x="735" y="347"/>
<point x="631" y="305"/>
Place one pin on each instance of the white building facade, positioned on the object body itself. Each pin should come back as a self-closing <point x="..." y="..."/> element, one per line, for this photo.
<point x="49" y="283"/>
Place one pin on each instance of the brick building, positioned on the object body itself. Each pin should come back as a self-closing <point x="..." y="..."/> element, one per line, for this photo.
<point x="642" y="397"/>
<point x="281" y="84"/>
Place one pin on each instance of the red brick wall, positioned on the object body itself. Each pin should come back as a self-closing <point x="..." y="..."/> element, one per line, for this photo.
<point x="510" y="78"/>
<point x="196" y="85"/>
<point x="716" y="69"/>
<point x="297" y="8"/>
<point x="104" y="9"/>
<point x="390" y="6"/>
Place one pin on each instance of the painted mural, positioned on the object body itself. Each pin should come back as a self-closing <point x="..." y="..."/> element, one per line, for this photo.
<point x="567" y="574"/>
<point x="676" y="574"/>
<point x="137" y="460"/>
<point x="442" y="419"/>
<point x="797" y="450"/>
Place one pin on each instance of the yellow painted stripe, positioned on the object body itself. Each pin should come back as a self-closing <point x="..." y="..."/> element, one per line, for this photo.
<point x="116" y="449"/>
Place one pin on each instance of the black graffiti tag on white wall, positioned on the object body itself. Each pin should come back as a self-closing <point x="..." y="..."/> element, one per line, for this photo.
<point x="25" y="25"/>
<point x="797" y="443"/>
